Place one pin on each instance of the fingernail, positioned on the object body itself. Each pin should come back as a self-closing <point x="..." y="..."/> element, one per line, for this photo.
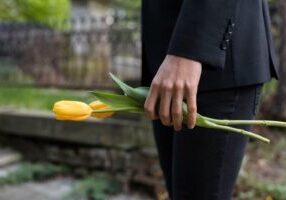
<point x="191" y="126"/>
<point x="178" y="129"/>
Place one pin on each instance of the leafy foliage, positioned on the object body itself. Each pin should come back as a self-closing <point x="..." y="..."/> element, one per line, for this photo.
<point x="128" y="8"/>
<point x="258" y="181"/>
<point x="128" y="5"/>
<point x="32" y="172"/>
<point x="49" y="12"/>
<point x="277" y="191"/>
<point x="261" y="189"/>
<point x="94" y="188"/>
<point x="116" y="100"/>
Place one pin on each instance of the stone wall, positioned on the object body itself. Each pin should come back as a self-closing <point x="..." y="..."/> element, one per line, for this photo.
<point x="122" y="145"/>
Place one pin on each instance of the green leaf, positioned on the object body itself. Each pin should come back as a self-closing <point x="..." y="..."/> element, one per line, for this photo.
<point x="120" y="83"/>
<point x="116" y="100"/>
<point x="139" y="94"/>
<point x="125" y="109"/>
<point x="142" y="91"/>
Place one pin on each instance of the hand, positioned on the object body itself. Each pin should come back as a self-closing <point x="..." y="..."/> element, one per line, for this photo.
<point x="176" y="79"/>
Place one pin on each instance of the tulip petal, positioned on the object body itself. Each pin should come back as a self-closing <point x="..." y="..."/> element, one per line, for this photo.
<point x="72" y="110"/>
<point x="72" y="118"/>
<point x="76" y="108"/>
<point x="98" y="105"/>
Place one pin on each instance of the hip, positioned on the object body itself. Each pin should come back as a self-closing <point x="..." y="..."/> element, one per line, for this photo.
<point x="237" y="102"/>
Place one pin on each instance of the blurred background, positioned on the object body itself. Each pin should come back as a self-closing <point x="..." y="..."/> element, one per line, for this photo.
<point x="59" y="49"/>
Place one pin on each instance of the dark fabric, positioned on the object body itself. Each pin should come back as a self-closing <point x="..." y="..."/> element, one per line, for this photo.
<point x="203" y="164"/>
<point x="232" y="39"/>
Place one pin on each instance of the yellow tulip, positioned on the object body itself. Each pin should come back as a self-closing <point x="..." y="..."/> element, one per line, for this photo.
<point x="72" y="110"/>
<point x="98" y="105"/>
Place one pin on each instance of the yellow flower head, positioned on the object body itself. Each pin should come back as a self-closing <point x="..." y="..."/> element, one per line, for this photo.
<point x="98" y="105"/>
<point x="72" y="110"/>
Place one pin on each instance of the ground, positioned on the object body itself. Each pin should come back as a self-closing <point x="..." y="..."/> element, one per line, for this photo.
<point x="262" y="176"/>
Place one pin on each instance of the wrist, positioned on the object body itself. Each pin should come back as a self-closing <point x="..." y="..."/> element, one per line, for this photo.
<point x="183" y="60"/>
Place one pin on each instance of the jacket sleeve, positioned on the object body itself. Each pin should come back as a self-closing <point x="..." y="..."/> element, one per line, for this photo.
<point x="203" y="31"/>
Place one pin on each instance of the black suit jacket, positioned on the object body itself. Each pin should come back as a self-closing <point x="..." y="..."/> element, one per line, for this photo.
<point x="232" y="39"/>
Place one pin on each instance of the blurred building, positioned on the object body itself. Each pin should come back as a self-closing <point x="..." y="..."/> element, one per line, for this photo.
<point x="94" y="8"/>
<point x="96" y="42"/>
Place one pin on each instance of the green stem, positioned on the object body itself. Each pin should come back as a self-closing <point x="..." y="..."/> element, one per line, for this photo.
<point x="117" y="109"/>
<point x="248" y="122"/>
<point x="241" y="131"/>
<point x="211" y="123"/>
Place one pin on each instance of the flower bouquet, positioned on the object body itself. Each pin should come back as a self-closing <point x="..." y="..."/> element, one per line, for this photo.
<point x="132" y="100"/>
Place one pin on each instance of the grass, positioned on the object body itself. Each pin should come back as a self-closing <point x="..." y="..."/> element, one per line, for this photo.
<point x="38" y="98"/>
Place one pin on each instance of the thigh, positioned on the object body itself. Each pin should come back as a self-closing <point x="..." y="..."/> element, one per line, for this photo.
<point x="206" y="162"/>
<point x="163" y="136"/>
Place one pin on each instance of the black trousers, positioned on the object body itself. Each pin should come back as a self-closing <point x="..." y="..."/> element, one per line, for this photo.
<point x="200" y="163"/>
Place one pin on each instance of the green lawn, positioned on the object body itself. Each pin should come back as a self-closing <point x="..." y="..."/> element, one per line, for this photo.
<point x="39" y="98"/>
<point x="43" y="98"/>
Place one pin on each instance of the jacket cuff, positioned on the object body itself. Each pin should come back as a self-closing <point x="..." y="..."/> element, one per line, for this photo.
<point x="199" y="37"/>
<point x="206" y="53"/>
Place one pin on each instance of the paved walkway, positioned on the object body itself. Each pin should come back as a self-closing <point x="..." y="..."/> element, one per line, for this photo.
<point x="55" y="189"/>
<point x="50" y="190"/>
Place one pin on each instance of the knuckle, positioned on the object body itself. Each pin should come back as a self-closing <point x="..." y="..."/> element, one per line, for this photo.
<point x="148" y="110"/>
<point x="162" y="113"/>
<point x="167" y="85"/>
<point x="189" y="85"/>
<point x="179" y="84"/>
<point x="192" y="108"/>
<point x="176" y="113"/>
<point x="164" y="116"/>
<point x="155" y="83"/>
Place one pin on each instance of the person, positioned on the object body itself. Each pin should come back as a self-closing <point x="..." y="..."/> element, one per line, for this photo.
<point x="215" y="55"/>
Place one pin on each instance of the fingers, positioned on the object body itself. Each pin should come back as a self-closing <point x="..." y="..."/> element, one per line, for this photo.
<point x="170" y="97"/>
<point x="165" y="103"/>
<point x="177" y="100"/>
<point x="151" y="100"/>
<point x="191" y="97"/>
